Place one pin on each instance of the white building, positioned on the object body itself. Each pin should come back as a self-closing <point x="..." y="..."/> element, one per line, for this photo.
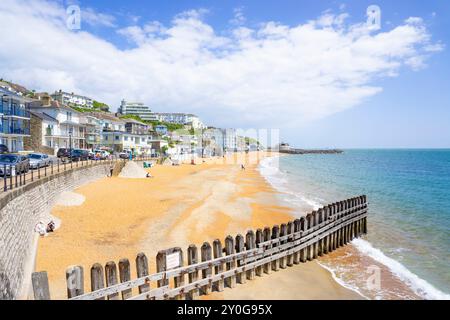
<point x="179" y="118"/>
<point x="66" y="98"/>
<point x="135" y="108"/>
<point x="15" y="120"/>
<point x="67" y="131"/>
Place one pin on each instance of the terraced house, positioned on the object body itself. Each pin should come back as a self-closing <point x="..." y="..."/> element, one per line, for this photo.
<point x="67" y="132"/>
<point x="15" y="119"/>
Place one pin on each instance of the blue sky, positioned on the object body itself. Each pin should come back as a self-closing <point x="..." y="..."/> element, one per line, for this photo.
<point x="408" y="108"/>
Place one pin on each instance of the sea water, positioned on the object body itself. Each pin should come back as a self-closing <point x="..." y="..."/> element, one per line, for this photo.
<point x="408" y="236"/>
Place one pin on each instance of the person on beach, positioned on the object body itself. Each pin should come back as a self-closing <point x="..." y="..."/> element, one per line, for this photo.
<point x="111" y="169"/>
<point x="51" y="226"/>
<point x="242" y="167"/>
<point x="40" y="228"/>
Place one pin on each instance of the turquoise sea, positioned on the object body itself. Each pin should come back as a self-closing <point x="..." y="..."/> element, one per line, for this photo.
<point x="409" y="213"/>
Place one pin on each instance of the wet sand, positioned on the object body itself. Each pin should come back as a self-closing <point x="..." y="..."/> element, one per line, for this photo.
<point x="180" y="205"/>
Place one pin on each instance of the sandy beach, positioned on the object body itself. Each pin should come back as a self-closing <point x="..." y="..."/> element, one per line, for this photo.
<point x="180" y="205"/>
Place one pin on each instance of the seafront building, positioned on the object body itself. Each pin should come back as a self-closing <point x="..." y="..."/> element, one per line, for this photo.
<point x="67" y="132"/>
<point x="15" y="116"/>
<point x="65" y="98"/>
<point x="135" y="108"/>
<point x="93" y="130"/>
<point x="179" y="118"/>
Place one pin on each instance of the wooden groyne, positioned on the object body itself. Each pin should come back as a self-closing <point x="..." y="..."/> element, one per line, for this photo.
<point x="212" y="267"/>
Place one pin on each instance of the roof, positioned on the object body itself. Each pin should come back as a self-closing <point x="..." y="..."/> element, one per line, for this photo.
<point x="43" y="116"/>
<point x="130" y="120"/>
<point x="104" y="116"/>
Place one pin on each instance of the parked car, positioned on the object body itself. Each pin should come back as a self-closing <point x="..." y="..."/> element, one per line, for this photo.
<point x="39" y="160"/>
<point x="63" y="154"/>
<point x="124" y="155"/>
<point x="101" y="154"/>
<point x="79" y="155"/>
<point x="11" y="164"/>
<point x="3" y="149"/>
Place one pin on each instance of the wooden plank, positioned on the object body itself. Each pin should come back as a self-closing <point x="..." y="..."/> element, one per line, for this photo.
<point x="124" y="276"/>
<point x="75" y="281"/>
<point x="275" y="235"/>
<point x="111" y="278"/>
<point x="230" y="282"/>
<point x="41" y="289"/>
<point x="193" y="275"/>
<point x="267" y="237"/>
<point x="283" y="232"/>
<point x="259" y="238"/>
<point x="97" y="278"/>
<point x="240" y="247"/>
<point x="303" y="228"/>
<point x="250" y="244"/>
<point x="142" y="271"/>
<point x="217" y="251"/>
<point x="310" y="225"/>
<point x="164" y="259"/>
<point x="296" y="255"/>
<point x="206" y="255"/>
<point x="290" y="231"/>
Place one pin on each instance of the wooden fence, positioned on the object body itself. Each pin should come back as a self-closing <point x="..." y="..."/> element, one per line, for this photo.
<point x="216" y="266"/>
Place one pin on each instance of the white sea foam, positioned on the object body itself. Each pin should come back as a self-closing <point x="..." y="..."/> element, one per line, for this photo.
<point x="342" y="282"/>
<point x="270" y="171"/>
<point x="418" y="285"/>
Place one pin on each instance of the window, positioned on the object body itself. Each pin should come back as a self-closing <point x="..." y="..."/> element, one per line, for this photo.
<point x="117" y="138"/>
<point x="105" y="137"/>
<point x="125" y="138"/>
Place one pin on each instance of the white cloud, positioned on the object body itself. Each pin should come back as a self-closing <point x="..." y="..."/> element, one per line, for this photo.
<point x="239" y="18"/>
<point x="94" y="18"/>
<point x="270" y="76"/>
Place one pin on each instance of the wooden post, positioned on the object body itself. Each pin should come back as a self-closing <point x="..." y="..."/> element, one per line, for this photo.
<point x="192" y="253"/>
<point x="250" y="244"/>
<point x="283" y="232"/>
<point x="230" y="282"/>
<point x="290" y="230"/>
<point x="206" y="256"/>
<point x="310" y="248"/>
<point x="167" y="260"/>
<point x="217" y="251"/>
<point x="40" y="283"/>
<point x="142" y="271"/>
<point x="111" y="278"/>
<point x="75" y="281"/>
<point x="303" y="227"/>
<point x="267" y="267"/>
<point x="319" y="220"/>
<point x="275" y="235"/>
<point x="296" y="255"/>
<point x="97" y="278"/>
<point x="258" y="239"/>
<point x="240" y="247"/>
<point x="124" y="276"/>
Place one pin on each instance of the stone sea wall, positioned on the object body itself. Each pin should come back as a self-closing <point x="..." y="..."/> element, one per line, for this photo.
<point x="20" y="211"/>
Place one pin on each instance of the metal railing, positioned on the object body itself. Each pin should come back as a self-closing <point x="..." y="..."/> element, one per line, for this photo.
<point x="16" y="176"/>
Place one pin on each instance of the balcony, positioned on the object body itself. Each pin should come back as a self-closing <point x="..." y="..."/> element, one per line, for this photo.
<point x="14" y="111"/>
<point x="15" y="130"/>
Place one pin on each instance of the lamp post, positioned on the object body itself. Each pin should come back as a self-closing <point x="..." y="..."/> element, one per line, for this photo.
<point x="70" y="140"/>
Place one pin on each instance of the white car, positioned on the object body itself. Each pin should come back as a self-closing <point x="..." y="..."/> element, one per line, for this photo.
<point x="39" y="160"/>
